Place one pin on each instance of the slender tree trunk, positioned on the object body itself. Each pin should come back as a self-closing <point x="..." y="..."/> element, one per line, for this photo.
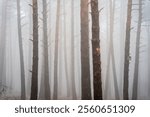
<point x="46" y="62"/>
<point x="23" y="91"/>
<point x="137" y="51"/>
<point x="108" y="57"/>
<point x="96" y="50"/>
<point x="65" y="52"/>
<point x="3" y="45"/>
<point x="112" y="11"/>
<point x="55" y="96"/>
<point x="111" y="53"/>
<point x="85" y="64"/>
<point x="72" y="52"/>
<point x="148" y="32"/>
<point x="34" y="82"/>
<point x="127" y="52"/>
<point x="122" y="39"/>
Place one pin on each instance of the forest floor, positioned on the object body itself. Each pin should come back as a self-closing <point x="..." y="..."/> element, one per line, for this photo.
<point x="4" y="97"/>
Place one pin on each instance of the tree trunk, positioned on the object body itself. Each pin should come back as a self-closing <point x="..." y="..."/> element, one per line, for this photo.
<point x="65" y="52"/>
<point x="111" y="53"/>
<point x="137" y="51"/>
<point x="23" y="91"/>
<point x="112" y="10"/>
<point x="85" y="64"/>
<point x="3" y="45"/>
<point x="46" y="62"/>
<point x="96" y="51"/>
<point x="55" y="96"/>
<point x="148" y="32"/>
<point x="72" y="52"/>
<point x="34" y="82"/>
<point x="127" y="52"/>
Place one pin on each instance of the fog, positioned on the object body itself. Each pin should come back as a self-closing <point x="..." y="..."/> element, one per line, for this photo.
<point x="60" y="41"/>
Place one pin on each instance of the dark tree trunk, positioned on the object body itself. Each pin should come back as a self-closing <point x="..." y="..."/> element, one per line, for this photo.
<point x="55" y="96"/>
<point x="85" y="63"/>
<point x="137" y="51"/>
<point x="127" y="52"/>
<point x="23" y="91"/>
<point x="34" y="82"/>
<point x="96" y="50"/>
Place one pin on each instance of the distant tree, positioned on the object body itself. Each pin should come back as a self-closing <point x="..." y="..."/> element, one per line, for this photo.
<point x="72" y="52"/>
<point x="3" y="44"/>
<point x="85" y="64"/>
<point x="148" y="65"/>
<point x="34" y="82"/>
<point x="65" y="52"/>
<point x="46" y="85"/>
<point x="55" y="95"/>
<point x="23" y="91"/>
<point x="127" y="52"/>
<point x="111" y="53"/>
<point x="96" y="50"/>
<point x="137" y="54"/>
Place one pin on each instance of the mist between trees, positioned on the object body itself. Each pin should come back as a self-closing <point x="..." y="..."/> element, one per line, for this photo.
<point x="75" y="49"/>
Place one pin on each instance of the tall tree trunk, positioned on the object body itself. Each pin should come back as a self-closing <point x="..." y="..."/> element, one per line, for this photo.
<point x="46" y="62"/>
<point x="72" y="53"/>
<point x="111" y="53"/>
<point x="112" y="11"/>
<point x="3" y="45"/>
<point x="148" y="32"/>
<point x="137" y="51"/>
<point x="55" y="96"/>
<point x="85" y="64"/>
<point x="23" y="91"/>
<point x="65" y="52"/>
<point x="34" y="82"/>
<point x="96" y="50"/>
<point x="127" y="52"/>
<point x="122" y="39"/>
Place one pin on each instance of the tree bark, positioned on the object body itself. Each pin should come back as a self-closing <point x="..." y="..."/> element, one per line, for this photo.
<point x="34" y="82"/>
<point x="85" y="64"/>
<point x="127" y="52"/>
<point x="96" y="50"/>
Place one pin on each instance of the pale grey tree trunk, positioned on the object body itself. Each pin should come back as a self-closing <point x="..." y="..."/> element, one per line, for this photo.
<point x="148" y="32"/>
<point x="3" y="46"/>
<point x="72" y="53"/>
<point x="111" y="53"/>
<point x="137" y="54"/>
<point x="23" y="90"/>
<point x="46" y="60"/>
<point x="65" y="53"/>
<point x="55" y="92"/>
